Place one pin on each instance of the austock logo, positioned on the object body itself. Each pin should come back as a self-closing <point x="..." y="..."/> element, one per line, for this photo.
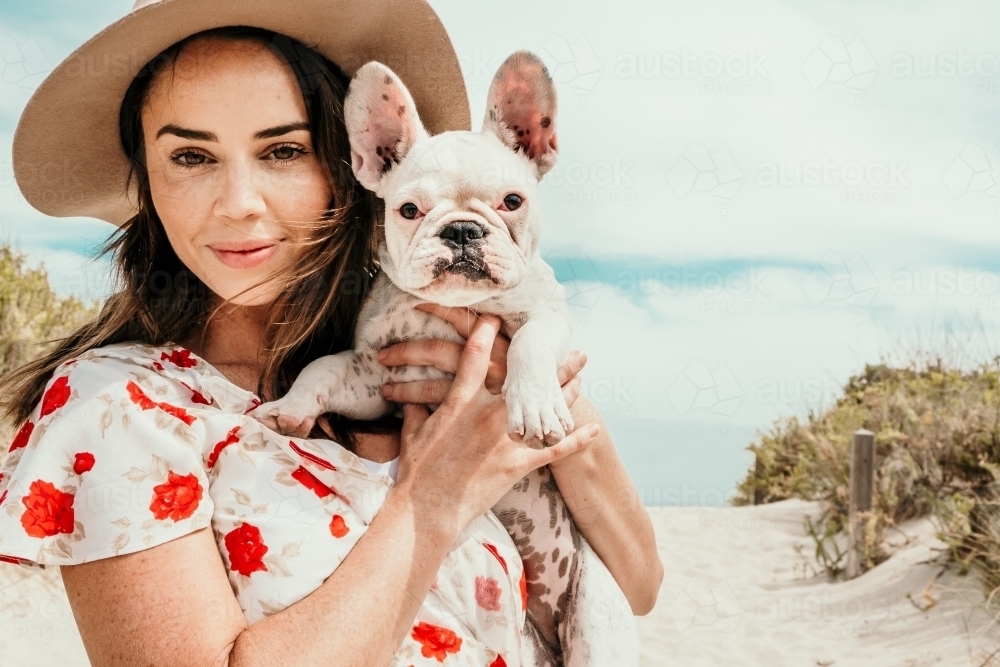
<point x="22" y="65"/>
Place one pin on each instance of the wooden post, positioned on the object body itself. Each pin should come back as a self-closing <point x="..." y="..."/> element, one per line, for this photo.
<point x="862" y="482"/>
<point x="758" y="474"/>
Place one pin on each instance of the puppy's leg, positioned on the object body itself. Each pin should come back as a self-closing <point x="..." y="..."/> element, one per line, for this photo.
<point x="348" y="383"/>
<point x="538" y="521"/>
<point x="599" y="628"/>
<point x="536" y="407"/>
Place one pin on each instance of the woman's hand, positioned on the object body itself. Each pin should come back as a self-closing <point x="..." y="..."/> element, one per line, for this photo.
<point x="444" y="355"/>
<point x="457" y="463"/>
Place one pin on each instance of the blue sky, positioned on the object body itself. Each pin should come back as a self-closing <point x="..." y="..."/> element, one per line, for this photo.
<point x="752" y="200"/>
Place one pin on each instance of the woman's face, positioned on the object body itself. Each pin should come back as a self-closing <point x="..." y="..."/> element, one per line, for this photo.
<point x="232" y="167"/>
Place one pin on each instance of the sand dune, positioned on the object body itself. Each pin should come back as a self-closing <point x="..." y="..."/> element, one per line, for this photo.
<point x="736" y="592"/>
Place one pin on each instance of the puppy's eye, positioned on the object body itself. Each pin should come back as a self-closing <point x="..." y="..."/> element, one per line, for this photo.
<point x="409" y="210"/>
<point x="512" y="201"/>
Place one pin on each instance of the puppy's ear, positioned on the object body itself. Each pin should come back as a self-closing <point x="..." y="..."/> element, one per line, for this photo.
<point x="382" y="123"/>
<point x="521" y="109"/>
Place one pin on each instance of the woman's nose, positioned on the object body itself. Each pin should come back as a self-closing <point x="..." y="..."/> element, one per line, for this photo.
<point x="241" y="196"/>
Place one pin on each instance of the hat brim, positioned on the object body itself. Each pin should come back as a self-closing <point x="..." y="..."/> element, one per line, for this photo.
<point x="67" y="154"/>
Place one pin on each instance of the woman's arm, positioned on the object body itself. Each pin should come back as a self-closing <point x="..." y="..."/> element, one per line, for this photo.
<point x="608" y="510"/>
<point x="172" y="604"/>
<point x="597" y="488"/>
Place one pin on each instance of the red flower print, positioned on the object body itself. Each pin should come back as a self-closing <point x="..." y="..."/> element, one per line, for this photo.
<point x="488" y="593"/>
<point x="308" y="480"/>
<point x="312" y="457"/>
<point x="179" y="357"/>
<point x="158" y="366"/>
<point x="3" y="496"/>
<point x="493" y="550"/>
<point x="499" y="662"/>
<point x="338" y="528"/>
<point x="138" y="397"/>
<point x="197" y="396"/>
<point x="436" y="642"/>
<point x="246" y="549"/>
<point x="56" y="396"/>
<point x="21" y="439"/>
<point x="180" y="413"/>
<point x="48" y="512"/>
<point x="231" y="438"/>
<point x="177" y="498"/>
<point x="146" y="403"/>
<point x="83" y="462"/>
<point x="10" y="559"/>
<point x="524" y="591"/>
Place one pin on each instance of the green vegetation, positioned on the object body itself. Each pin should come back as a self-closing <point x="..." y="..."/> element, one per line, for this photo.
<point x="937" y="453"/>
<point x="32" y="316"/>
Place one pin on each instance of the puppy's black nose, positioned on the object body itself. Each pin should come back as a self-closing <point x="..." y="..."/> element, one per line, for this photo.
<point x="463" y="232"/>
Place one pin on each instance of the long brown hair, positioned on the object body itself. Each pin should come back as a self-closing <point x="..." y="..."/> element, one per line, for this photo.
<point x="160" y="301"/>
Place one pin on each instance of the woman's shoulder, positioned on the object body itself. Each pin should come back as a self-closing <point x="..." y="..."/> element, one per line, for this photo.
<point x="159" y="374"/>
<point x="111" y="460"/>
<point x="116" y="393"/>
<point x="173" y="362"/>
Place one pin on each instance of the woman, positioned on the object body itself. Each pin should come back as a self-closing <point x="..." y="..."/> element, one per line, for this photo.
<point x="247" y="255"/>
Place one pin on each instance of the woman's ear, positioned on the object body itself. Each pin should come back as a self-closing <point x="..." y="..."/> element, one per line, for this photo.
<point x="521" y="109"/>
<point x="382" y="123"/>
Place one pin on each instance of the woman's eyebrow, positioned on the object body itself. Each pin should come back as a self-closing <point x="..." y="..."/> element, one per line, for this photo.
<point x="201" y="135"/>
<point x="279" y="130"/>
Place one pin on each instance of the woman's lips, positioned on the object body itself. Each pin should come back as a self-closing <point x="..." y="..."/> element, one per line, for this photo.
<point x="244" y="259"/>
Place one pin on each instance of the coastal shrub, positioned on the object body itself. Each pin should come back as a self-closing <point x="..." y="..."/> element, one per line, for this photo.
<point x="937" y="453"/>
<point x="32" y="315"/>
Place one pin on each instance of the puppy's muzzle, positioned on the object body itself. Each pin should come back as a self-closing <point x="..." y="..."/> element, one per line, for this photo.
<point x="465" y="239"/>
<point x="462" y="233"/>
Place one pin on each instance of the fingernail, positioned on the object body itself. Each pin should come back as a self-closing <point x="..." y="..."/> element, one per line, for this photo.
<point x="592" y="430"/>
<point x="383" y="353"/>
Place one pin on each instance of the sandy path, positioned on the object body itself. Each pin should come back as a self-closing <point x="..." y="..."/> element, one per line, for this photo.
<point x="734" y="594"/>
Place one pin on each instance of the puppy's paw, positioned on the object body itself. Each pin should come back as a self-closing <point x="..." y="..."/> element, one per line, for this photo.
<point x="286" y="417"/>
<point x="536" y="408"/>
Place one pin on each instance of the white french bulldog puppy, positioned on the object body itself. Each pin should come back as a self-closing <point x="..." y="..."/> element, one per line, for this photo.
<point x="462" y="227"/>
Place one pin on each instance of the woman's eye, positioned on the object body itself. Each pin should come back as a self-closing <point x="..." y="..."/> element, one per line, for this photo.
<point x="284" y="152"/>
<point x="189" y="159"/>
<point x="512" y="201"/>
<point x="409" y="210"/>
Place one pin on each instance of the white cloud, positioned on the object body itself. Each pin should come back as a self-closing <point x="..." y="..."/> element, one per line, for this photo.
<point x="861" y="209"/>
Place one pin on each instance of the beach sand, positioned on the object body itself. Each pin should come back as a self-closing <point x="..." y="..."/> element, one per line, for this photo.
<point x="736" y="591"/>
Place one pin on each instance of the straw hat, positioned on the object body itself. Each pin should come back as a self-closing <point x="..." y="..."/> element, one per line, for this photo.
<point x="67" y="154"/>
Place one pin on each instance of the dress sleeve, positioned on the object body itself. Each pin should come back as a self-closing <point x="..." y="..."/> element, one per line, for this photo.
<point x="105" y="466"/>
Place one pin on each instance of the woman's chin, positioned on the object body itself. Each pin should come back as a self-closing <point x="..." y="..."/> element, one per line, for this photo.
<point x="247" y="295"/>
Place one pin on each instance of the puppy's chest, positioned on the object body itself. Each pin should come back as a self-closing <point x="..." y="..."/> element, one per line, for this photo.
<point x="389" y="316"/>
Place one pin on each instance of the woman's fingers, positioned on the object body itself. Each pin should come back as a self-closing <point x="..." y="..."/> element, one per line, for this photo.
<point x="431" y="392"/>
<point x="414" y="417"/>
<point x="574" y="364"/>
<point x="571" y="390"/>
<point x="437" y="352"/>
<point x="571" y="444"/>
<point x="444" y="355"/>
<point x="461" y="318"/>
<point x="475" y="362"/>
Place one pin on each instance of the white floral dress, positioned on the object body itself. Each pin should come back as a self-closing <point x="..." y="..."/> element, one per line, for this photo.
<point x="132" y="446"/>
